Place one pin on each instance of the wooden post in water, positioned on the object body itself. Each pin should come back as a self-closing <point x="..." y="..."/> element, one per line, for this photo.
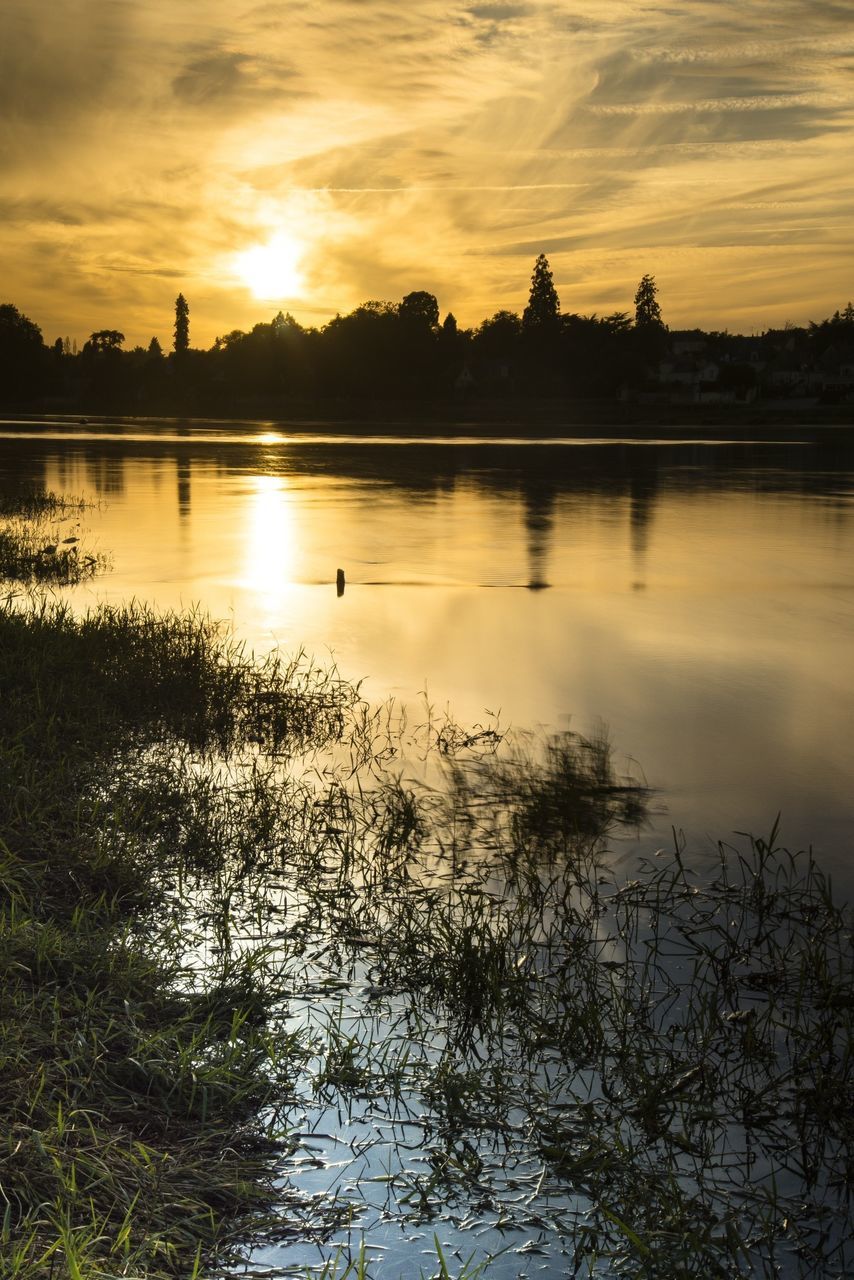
<point x="339" y="582"/>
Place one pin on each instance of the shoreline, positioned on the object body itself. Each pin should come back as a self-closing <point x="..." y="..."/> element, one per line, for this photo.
<point x="524" y="419"/>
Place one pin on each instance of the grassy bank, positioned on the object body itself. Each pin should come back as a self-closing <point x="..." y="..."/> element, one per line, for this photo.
<point x="133" y="1084"/>
<point x="242" y="912"/>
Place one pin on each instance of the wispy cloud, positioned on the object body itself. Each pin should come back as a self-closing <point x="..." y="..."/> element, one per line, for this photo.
<point x="427" y="145"/>
<point x="755" y="102"/>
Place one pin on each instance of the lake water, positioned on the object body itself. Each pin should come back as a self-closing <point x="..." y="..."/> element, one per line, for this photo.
<point x="695" y="596"/>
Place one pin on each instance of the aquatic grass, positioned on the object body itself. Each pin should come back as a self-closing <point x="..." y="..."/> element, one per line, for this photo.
<point x="32" y="555"/>
<point x="138" y="676"/>
<point x="539" y="796"/>
<point x="32" y="502"/>
<point x="32" y="546"/>
<point x="345" y="1267"/>
<point x="226" y="899"/>
<point x="676" y="1046"/>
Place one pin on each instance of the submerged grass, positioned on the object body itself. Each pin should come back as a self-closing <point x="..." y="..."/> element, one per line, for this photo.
<point x="227" y="902"/>
<point x="32" y="546"/>
<point x="676" y="1047"/>
<point x="32" y="502"/>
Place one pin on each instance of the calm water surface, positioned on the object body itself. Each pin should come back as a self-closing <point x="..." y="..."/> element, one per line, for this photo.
<point x="696" y="597"/>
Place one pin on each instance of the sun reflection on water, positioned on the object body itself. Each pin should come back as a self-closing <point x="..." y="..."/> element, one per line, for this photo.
<point x="272" y="552"/>
<point x="269" y="437"/>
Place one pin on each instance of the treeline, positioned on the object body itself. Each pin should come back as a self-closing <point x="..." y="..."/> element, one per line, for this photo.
<point x="382" y="350"/>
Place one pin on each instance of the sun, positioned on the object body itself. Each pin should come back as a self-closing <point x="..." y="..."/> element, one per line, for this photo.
<point x="271" y="270"/>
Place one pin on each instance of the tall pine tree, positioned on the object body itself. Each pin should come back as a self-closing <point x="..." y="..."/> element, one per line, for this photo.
<point x="543" y="309"/>
<point x="647" y="310"/>
<point x="182" y="325"/>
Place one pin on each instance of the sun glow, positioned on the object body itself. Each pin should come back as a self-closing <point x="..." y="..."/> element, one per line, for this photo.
<point x="271" y="537"/>
<point x="271" y="270"/>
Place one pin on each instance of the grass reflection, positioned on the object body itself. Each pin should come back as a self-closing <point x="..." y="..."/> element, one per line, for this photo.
<point x="265" y="986"/>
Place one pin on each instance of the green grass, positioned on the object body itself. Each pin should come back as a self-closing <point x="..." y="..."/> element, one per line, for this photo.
<point x="131" y="1085"/>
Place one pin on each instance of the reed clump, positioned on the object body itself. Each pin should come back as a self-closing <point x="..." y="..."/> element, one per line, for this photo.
<point x="36" y="546"/>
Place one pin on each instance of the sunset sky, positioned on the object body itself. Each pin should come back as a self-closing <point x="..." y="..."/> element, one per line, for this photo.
<point x="313" y="154"/>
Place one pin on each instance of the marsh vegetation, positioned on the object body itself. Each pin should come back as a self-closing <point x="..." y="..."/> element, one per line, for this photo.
<point x="285" y="973"/>
<point x="40" y="539"/>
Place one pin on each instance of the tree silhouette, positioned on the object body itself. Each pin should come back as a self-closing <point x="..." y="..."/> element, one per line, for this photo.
<point x="17" y="330"/>
<point x="594" y="353"/>
<point x="647" y="310"/>
<point x="360" y="352"/>
<point x="543" y="309"/>
<point x="390" y="351"/>
<point x="104" y="341"/>
<point x="650" y="334"/>
<point x="498" y="337"/>
<point x="272" y="359"/>
<point x="182" y="325"/>
<point x="420" y="308"/>
<point x="21" y="349"/>
<point x="416" y="344"/>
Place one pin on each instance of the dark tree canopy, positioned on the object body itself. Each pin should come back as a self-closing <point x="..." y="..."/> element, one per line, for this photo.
<point x="498" y="337"/>
<point x="284" y="325"/>
<point x="182" y="324"/>
<point x="420" y="308"/>
<point x="399" y="351"/>
<point x="543" y="309"/>
<point x="647" y="310"/>
<point x="839" y="319"/>
<point x="104" y="340"/>
<point x="16" y="329"/>
<point x="21" y="350"/>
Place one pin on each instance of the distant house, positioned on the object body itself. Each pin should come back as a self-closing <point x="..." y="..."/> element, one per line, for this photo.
<point x="465" y="380"/>
<point x="835" y="379"/>
<point x="677" y="372"/>
<point x="788" y="376"/>
<point x="688" y="342"/>
<point x="735" y="351"/>
<point x="690" y="378"/>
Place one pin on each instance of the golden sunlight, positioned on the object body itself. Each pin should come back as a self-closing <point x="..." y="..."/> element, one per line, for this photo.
<point x="271" y="270"/>
<point x="271" y="550"/>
